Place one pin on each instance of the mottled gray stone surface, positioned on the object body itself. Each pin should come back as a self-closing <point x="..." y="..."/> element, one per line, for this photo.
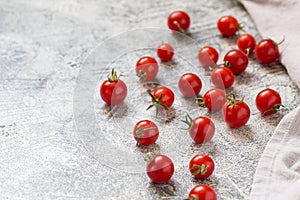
<point x="44" y="156"/>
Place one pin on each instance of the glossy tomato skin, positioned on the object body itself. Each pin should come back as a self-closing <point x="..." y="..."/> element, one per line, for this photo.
<point x="190" y="85"/>
<point x="222" y="77"/>
<point x="236" y="115"/>
<point x="236" y="60"/>
<point x="179" y="21"/>
<point x="202" y="130"/>
<point x="160" y="169"/>
<point x="267" y="100"/>
<point x="168" y="96"/>
<point x="202" y="192"/>
<point x="214" y="99"/>
<point x="146" y="68"/>
<point x="113" y="92"/>
<point x="266" y="51"/>
<point x="145" y="132"/>
<point x="208" y="56"/>
<point x="228" y="25"/>
<point x="165" y="52"/>
<point x="201" y="166"/>
<point x="246" y="43"/>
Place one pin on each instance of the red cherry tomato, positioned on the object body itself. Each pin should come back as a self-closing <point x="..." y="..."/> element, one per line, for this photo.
<point x="246" y="43"/>
<point x="201" y="129"/>
<point x="189" y="85"/>
<point x="179" y="21"/>
<point x="268" y="101"/>
<point x="160" y="168"/>
<point x="202" y="192"/>
<point x="222" y="77"/>
<point x="208" y="56"/>
<point x="236" y="60"/>
<point x="201" y="166"/>
<point x="162" y="97"/>
<point x="145" y="132"/>
<point x="213" y="99"/>
<point x="228" y="25"/>
<point x="236" y="113"/>
<point x="146" y="68"/>
<point x="113" y="91"/>
<point x="165" y="52"/>
<point x="266" y="51"/>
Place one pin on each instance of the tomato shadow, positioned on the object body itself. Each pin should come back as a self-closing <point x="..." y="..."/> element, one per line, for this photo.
<point x="116" y="111"/>
<point x="170" y="64"/>
<point x="245" y="78"/>
<point x="153" y="148"/>
<point x="272" y="120"/>
<point x="243" y="134"/>
<point x="166" y="115"/>
<point x="212" y="181"/>
<point x="163" y="191"/>
<point x="211" y="147"/>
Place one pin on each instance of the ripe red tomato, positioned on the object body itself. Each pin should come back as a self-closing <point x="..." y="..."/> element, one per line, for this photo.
<point x="213" y="99"/>
<point x="236" y="60"/>
<point x="268" y="101"/>
<point x="146" y="68"/>
<point x="160" y="168"/>
<point x="266" y="51"/>
<point x="202" y="192"/>
<point x="208" y="56"/>
<point x="179" y="21"/>
<point x="162" y="97"/>
<point x="165" y="52"/>
<point x="228" y="25"/>
<point x="189" y="84"/>
<point x="246" y="43"/>
<point x="201" y="129"/>
<point x="236" y="113"/>
<point x="145" y="132"/>
<point x="222" y="77"/>
<point x="201" y="166"/>
<point x="113" y="91"/>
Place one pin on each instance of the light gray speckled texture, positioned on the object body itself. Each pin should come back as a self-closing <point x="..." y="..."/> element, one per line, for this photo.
<point x="43" y="46"/>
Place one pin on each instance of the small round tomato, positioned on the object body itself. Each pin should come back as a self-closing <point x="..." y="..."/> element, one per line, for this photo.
<point x="202" y="192"/>
<point x="160" y="168"/>
<point x="268" y="101"/>
<point x="236" y="61"/>
<point x="228" y="25"/>
<point x="189" y="85"/>
<point x="246" y="43"/>
<point x="113" y="91"/>
<point x="208" y="56"/>
<point x="222" y="77"/>
<point x="162" y="97"/>
<point x="201" y="129"/>
<point x="201" y="166"/>
<point x="145" y="132"/>
<point x="165" y="52"/>
<point x="266" y="51"/>
<point x="213" y="99"/>
<point x="146" y="68"/>
<point x="179" y="21"/>
<point x="236" y="113"/>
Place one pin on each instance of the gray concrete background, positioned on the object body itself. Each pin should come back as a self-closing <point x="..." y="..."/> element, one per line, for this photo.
<point x="43" y="156"/>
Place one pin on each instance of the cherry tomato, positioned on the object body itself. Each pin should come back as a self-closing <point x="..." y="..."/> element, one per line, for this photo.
<point x="146" y="68"/>
<point x="208" y="56"/>
<point x="266" y="51"/>
<point x="160" y="168"/>
<point x="189" y="85"/>
<point x="202" y="192"/>
<point x="228" y="25"/>
<point x="222" y="77"/>
<point x="236" y="60"/>
<point x="162" y="97"/>
<point x="268" y="101"/>
<point x="165" y="52"/>
<point x="201" y="166"/>
<point x="236" y="113"/>
<point x="179" y="21"/>
<point x="113" y="91"/>
<point x="246" y="43"/>
<point x="213" y="99"/>
<point x="201" y="129"/>
<point x="145" y="132"/>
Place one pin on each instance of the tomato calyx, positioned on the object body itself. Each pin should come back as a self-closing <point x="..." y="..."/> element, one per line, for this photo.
<point x="113" y="77"/>
<point x="201" y="102"/>
<point x="142" y="74"/>
<point x="193" y="197"/>
<point x="227" y="64"/>
<point x="280" y="42"/>
<point x="156" y="102"/>
<point x="149" y="157"/>
<point x="139" y="133"/>
<point x="201" y="169"/>
<point x="181" y="30"/>
<point x="188" y="121"/>
<point x="241" y="27"/>
<point x="274" y="109"/>
<point x="231" y="99"/>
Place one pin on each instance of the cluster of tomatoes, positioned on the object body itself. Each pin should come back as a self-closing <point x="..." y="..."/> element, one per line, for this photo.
<point x="235" y="112"/>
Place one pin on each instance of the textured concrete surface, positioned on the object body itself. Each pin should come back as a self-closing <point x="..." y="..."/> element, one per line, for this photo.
<point x="47" y="148"/>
